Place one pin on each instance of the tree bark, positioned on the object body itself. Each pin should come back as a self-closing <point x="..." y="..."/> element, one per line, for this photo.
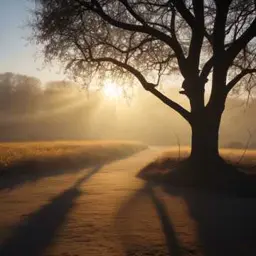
<point x="205" y="139"/>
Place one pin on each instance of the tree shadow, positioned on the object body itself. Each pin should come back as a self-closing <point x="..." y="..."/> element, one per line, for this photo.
<point x="227" y="180"/>
<point x="34" y="170"/>
<point x="172" y="242"/>
<point x="139" y="231"/>
<point x="226" y="225"/>
<point x="223" y="208"/>
<point x="37" y="231"/>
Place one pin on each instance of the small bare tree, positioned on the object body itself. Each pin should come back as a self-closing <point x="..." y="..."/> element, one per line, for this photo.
<point x="202" y="40"/>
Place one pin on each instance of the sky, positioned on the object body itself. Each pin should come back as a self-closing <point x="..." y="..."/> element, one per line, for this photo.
<point x="16" y="53"/>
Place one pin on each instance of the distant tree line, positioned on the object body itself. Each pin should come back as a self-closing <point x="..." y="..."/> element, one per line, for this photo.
<point x="60" y="110"/>
<point x="30" y="110"/>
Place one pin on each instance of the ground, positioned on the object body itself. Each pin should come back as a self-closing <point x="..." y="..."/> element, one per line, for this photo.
<point x="106" y="210"/>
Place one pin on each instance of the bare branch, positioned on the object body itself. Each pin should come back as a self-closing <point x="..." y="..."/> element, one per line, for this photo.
<point x="206" y="70"/>
<point x="131" y="27"/>
<point x="148" y="86"/>
<point x="143" y="29"/>
<point x="182" y="111"/>
<point x="240" y="43"/>
<point x="185" y="13"/>
<point x="197" y="36"/>
<point x="132" y="12"/>
<point x="237" y="78"/>
<point x="219" y="28"/>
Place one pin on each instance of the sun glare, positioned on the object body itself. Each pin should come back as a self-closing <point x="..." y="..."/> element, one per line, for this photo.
<point x="111" y="90"/>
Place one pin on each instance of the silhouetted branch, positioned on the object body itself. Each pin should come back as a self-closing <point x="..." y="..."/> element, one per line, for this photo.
<point x="235" y="80"/>
<point x="172" y="104"/>
<point x="206" y="69"/>
<point x="185" y="13"/>
<point x="197" y="37"/>
<point x="241" y="42"/>
<point x="131" y="27"/>
<point x="145" y="28"/>
<point x="147" y="86"/>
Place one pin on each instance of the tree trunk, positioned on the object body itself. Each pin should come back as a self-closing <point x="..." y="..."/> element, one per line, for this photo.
<point x="205" y="140"/>
<point x="205" y="167"/>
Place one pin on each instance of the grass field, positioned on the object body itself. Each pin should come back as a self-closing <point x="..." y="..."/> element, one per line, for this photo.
<point x="244" y="159"/>
<point x="33" y="156"/>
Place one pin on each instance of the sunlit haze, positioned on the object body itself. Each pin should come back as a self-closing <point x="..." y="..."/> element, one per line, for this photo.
<point x="112" y="90"/>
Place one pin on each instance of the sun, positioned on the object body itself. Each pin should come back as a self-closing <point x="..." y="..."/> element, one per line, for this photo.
<point x="111" y="90"/>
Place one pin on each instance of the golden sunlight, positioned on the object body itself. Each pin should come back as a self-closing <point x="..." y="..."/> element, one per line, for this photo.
<point x="111" y="90"/>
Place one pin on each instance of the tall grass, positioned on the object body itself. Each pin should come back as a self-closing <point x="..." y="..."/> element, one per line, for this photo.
<point x="31" y="156"/>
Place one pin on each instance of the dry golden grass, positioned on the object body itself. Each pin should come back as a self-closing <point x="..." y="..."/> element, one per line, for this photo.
<point x="62" y="154"/>
<point x="169" y="168"/>
<point x="244" y="159"/>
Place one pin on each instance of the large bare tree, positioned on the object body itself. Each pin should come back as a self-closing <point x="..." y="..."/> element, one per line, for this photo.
<point x="204" y="41"/>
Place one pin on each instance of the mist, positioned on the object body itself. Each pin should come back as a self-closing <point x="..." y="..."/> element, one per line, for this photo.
<point x="61" y="110"/>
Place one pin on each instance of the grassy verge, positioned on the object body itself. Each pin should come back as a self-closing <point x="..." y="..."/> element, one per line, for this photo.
<point x="169" y="160"/>
<point x="16" y="158"/>
<point x="242" y="159"/>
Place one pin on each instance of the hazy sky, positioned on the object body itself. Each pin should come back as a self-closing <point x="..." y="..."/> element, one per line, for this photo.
<point x="16" y="54"/>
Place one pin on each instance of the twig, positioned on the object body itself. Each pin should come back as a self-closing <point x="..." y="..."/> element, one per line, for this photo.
<point x="178" y="142"/>
<point x="246" y="148"/>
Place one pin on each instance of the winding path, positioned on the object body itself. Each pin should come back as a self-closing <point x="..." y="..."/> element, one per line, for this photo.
<point x="106" y="210"/>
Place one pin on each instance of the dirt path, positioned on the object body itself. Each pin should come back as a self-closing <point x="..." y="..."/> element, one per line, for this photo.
<point x="106" y="210"/>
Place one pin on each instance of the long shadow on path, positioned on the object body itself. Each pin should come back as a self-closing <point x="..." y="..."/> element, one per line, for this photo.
<point x="37" y="231"/>
<point x="137" y="225"/>
<point x="226" y="225"/>
<point x="172" y="242"/>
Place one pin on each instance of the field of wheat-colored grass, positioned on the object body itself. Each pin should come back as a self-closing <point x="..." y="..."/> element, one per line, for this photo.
<point x="244" y="159"/>
<point x="26" y="156"/>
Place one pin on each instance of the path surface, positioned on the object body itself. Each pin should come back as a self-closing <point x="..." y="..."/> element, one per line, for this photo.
<point x="106" y="210"/>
